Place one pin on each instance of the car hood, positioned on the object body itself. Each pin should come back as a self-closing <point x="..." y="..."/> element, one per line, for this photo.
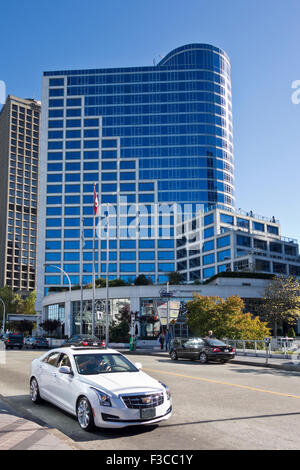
<point x="120" y="383"/>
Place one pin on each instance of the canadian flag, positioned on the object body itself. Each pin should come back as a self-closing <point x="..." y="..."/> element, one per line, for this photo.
<point x="96" y="202"/>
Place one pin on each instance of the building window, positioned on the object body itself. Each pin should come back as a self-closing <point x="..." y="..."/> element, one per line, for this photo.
<point x="226" y="219"/>
<point x="241" y="240"/>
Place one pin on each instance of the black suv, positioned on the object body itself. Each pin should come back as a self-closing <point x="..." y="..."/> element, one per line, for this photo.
<point x="13" y="340"/>
<point x="83" y="340"/>
<point x="203" y="349"/>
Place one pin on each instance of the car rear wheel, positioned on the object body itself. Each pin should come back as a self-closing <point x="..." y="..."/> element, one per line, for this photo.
<point x="34" y="391"/>
<point x="203" y="358"/>
<point x="85" y="414"/>
<point x="173" y="355"/>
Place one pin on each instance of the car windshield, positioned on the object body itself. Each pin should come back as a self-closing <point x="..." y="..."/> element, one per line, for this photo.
<point x="94" y="364"/>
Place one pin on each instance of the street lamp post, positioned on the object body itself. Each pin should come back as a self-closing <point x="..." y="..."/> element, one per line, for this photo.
<point x="64" y="272"/>
<point x="3" y="327"/>
<point x="67" y="276"/>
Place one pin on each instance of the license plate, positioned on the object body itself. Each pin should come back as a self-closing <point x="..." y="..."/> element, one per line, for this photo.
<point x="147" y="413"/>
<point x="226" y="350"/>
<point x="95" y="344"/>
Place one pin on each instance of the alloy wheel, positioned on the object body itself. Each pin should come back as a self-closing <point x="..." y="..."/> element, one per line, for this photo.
<point x="203" y="358"/>
<point x="34" y="391"/>
<point x="84" y="414"/>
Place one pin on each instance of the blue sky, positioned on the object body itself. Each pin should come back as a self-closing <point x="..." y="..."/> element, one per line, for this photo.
<point x="261" y="37"/>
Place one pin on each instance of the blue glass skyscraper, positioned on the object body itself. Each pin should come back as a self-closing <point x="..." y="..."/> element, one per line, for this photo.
<point x="159" y="134"/>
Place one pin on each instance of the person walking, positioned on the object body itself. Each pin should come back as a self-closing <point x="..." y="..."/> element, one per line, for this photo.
<point x="168" y="338"/>
<point x="210" y="334"/>
<point x="162" y="340"/>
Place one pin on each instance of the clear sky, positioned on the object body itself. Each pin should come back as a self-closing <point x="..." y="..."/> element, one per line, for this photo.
<point x="262" y="38"/>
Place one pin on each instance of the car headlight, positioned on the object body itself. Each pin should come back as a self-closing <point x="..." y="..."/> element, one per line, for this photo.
<point x="167" y="390"/>
<point x="103" y="398"/>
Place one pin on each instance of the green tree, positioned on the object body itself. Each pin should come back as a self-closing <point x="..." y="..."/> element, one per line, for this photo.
<point x="226" y="318"/>
<point x="29" y="303"/>
<point x="50" y="325"/>
<point x="281" y="302"/>
<point x="143" y="280"/>
<point x="13" y="302"/>
<point x="26" y="326"/>
<point x="175" y="278"/>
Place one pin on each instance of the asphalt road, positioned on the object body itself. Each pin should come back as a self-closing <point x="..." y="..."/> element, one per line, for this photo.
<point x="224" y="407"/>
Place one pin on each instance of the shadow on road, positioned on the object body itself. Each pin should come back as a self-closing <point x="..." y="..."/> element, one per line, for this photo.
<point x="48" y="415"/>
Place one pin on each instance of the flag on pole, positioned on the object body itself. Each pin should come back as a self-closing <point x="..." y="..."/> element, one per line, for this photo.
<point x="96" y="202"/>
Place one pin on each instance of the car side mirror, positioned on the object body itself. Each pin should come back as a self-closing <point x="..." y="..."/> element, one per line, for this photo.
<point x="138" y="365"/>
<point x="65" y="370"/>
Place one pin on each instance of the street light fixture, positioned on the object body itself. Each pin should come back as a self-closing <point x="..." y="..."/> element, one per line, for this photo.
<point x="57" y="267"/>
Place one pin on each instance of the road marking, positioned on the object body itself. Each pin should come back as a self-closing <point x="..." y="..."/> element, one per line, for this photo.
<point x="219" y="382"/>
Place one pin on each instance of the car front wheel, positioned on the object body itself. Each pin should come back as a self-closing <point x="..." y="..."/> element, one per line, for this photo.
<point x="173" y="355"/>
<point x="85" y="414"/>
<point x="34" y="391"/>
<point x="203" y="358"/>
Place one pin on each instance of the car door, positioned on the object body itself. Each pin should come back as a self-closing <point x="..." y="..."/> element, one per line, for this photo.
<point x="48" y="373"/>
<point x="65" y="385"/>
<point x="194" y="348"/>
<point x="183" y="349"/>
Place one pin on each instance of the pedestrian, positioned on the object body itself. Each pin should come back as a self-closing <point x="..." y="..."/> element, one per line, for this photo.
<point x="210" y="334"/>
<point x="168" y="338"/>
<point x="162" y="340"/>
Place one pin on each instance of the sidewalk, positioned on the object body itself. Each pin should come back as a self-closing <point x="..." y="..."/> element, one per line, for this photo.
<point x="240" y="358"/>
<point x="20" y="433"/>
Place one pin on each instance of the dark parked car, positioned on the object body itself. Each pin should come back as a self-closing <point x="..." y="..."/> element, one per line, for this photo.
<point x="13" y="340"/>
<point x="202" y="349"/>
<point x="83" y="340"/>
<point x="35" y="342"/>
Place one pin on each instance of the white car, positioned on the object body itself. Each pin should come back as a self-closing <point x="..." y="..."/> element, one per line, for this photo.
<point x="99" y="386"/>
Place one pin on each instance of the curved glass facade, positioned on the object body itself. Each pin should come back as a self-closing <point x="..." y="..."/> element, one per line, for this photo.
<point x="174" y="117"/>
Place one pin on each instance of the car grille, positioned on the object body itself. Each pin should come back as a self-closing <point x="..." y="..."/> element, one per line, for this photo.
<point x="143" y="401"/>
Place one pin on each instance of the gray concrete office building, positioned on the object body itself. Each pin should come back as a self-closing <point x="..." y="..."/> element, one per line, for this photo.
<point x="19" y="162"/>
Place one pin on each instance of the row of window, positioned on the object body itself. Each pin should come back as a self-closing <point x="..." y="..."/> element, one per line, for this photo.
<point x="157" y="108"/>
<point x="70" y="123"/>
<point x="123" y="244"/>
<point x="94" y="77"/>
<point x="175" y="151"/>
<point x="156" y="87"/>
<point x="87" y="155"/>
<point x="157" y="119"/>
<point x="178" y="162"/>
<point x="154" y="141"/>
<point x="245" y="223"/>
<point x="123" y="256"/>
<point x="76" y="144"/>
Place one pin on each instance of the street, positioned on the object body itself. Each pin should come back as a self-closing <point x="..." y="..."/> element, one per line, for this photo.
<point x="225" y="407"/>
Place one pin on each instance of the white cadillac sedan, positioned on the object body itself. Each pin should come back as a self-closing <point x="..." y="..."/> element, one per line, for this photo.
<point x="99" y="386"/>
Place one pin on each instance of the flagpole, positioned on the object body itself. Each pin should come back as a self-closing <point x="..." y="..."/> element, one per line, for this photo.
<point x="107" y="298"/>
<point x="93" y="298"/>
<point x="81" y="277"/>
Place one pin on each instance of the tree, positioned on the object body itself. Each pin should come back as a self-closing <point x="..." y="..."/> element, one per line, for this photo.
<point x="13" y="301"/>
<point x="117" y="283"/>
<point x="25" y="326"/>
<point x="50" y="325"/>
<point x="175" y="278"/>
<point x="224" y="317"/>
<point x="281" y="301"/>
<point x="29" y="303"/>
<point x="143" y="280"/>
